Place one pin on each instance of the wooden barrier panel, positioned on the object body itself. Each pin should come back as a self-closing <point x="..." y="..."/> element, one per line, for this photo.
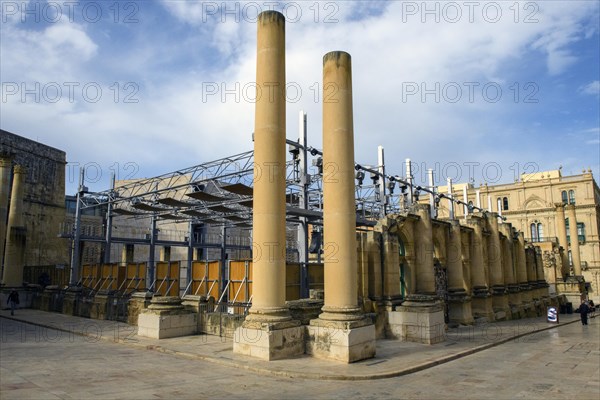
<point x="89" y="275"/>
<point x="316" y="276"/>
<point x="292" y="281"/>
<point x="136" y="277"/>
<point x="205" y="278"/>
<point x="240" y="279"/>
<point x="109" y="277"/>
<point x="167" y="278"/>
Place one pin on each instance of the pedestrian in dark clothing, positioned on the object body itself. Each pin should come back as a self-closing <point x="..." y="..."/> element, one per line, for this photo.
<point x="583" y="311"/>
<point x="13" y="300"/>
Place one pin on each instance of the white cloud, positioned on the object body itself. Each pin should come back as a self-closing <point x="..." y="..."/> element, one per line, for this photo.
<point x="172" y="126"/>
<point x="592" y="88"/>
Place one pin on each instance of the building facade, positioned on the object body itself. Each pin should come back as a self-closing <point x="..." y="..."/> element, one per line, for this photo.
<point x="549" y="208"/>
<point x="40" y="199"/>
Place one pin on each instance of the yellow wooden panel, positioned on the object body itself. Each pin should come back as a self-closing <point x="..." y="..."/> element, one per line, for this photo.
<point x="174" y="279"/>
<point x="141" y="283"/>
<point x="213" y="278"/>
<point x="316" y="277"/>
<point x="292" y="281"/>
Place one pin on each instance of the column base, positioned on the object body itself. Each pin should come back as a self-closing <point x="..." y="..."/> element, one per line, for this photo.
<point x="269" y="341"/>
<point x="459" y="308"/>
<point x="481" y="305"/>
<point x="71" y="301"/>
<point x="421" y="323"/>
<point x="166" y="318"/>
<point x="345" y="341"/>
<point x="500" y="303"/>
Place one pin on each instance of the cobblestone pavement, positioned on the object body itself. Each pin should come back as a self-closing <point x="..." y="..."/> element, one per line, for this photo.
<point x="37" y="362"/>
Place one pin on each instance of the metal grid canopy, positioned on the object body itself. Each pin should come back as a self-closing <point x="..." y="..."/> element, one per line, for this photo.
<point x="219" y="193"/>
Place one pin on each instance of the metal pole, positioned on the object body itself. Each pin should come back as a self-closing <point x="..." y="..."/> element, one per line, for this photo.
<point x="432" y="206"/>
<point x="223" y="272"/>
<point x="151" y="266"/>
<point x="382" y="183"/>
<point x="190" y="252"/>
<point x="74" y="276"/>
<point x="109" y="218"/>
<point x="450" y="198"/>
<point x="409" y="179"/>
<point x="303" y="227"/>
<point x="465" y="200"/>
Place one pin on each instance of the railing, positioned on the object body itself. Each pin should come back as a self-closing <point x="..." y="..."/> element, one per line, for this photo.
<point x="542" y="239"/>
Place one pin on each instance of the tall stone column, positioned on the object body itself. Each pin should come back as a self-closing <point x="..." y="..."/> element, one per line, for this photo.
<point x="268" y="304"/>
<point x="339" y="212"/>
<point x="15" y="233"/>
<point x="575" y="255"/>
<point x="421" y="317"/>
<point x="269" y="323"/>
<point x="509" y="267"/>
<point x="481" y="300"/>
<point x="459" y="299"/>
<point x="561" y="232"/>
<point x="543" y="286"/>
<point x="340" y="312"/>
<point x="425" y="285"/>
<point x="5" y="172"/>
<point x="521" y="278"/>
<point x="498" y="285"/>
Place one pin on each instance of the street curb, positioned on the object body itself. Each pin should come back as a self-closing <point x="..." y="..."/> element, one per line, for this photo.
<point x="303" y="375"/>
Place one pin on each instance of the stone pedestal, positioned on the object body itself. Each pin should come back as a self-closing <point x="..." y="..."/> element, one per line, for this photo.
<point x="269" y="341"/>
<point x="571" y="288"/>
<point x="481" y="305"/>
<point x="514" y="301"/>
<point x="341" y="341"/>
<point x="500" y="303"/>
<point x="70" y="305"/>
<point x="460" y="308"/>
<point x="421" y="322"/>
<point x="527" y="301"/>
<point x="138" y="302"/>
<point x="50" y="297"/>
<point x="304" y="310"/>
<point x="99" y="306"/>
<point x="166" y="317"/>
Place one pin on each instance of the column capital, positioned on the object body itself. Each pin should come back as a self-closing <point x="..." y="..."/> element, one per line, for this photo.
<point x="5" y="161"/>
<point x="20" y="169"/>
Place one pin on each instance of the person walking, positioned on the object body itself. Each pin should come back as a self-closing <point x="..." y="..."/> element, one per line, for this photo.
<point x="583" y="312"/>
<point x="13" y="300"/>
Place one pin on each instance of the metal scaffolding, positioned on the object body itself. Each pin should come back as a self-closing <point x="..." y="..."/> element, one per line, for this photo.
<point x="219" y="193"/>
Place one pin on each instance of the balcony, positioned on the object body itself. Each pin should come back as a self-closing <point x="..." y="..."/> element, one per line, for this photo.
<point x="542" y="239"/>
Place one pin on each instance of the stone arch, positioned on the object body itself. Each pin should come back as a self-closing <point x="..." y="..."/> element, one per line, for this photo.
<point x="533" y="202"/>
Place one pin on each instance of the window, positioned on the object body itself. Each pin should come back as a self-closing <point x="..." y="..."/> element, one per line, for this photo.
<point x="534" y="235"/>
<point x="580" y="231"/>
<point x="572" y="197"/>
<point x="505" y="203"/>
<point x="540" y="232"/>
<point x="563" y="194"/>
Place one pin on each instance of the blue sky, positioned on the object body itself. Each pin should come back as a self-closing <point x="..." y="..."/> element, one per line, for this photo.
<point x="495" y="88"/>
